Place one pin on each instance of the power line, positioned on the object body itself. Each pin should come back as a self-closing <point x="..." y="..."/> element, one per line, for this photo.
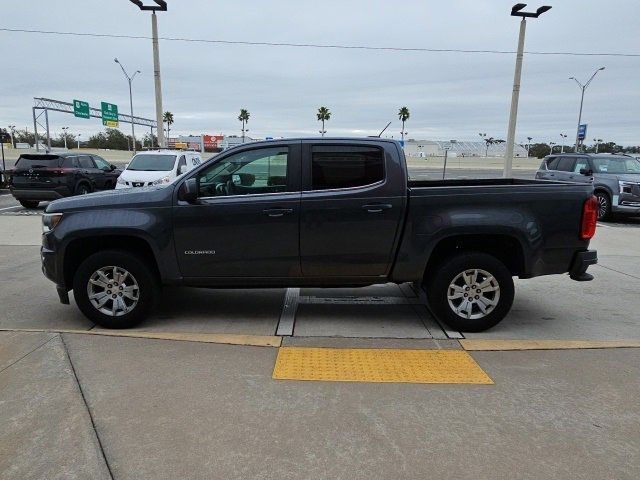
<point x="315" y="45"/>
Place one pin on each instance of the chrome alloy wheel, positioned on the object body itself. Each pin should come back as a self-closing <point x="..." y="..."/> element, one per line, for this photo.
<point x="113" y="291"/>
<point x="473" y="294"/>
<point x="603" y="206"/>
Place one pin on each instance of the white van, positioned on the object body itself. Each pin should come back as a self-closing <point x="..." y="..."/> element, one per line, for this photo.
<point x="157" y="167"/>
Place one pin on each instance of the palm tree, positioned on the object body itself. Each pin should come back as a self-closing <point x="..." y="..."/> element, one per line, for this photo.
<point x="403" y="116"/>
<point x="488" y="141"/>
<point x="167" y="118"/>
<point x="244" y="118"/>
<point x="323" y="116"/>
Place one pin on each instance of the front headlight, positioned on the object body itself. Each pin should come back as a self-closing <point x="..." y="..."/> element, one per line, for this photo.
<point x="162" y="181"/>
<point x="121" y="181"/>
<point x="625" y="187"/>
<point x="50" y="221"/>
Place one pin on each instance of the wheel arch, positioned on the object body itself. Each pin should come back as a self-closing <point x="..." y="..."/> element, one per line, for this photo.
<point x="506" y="248"/>
<point x="78" y="249"/>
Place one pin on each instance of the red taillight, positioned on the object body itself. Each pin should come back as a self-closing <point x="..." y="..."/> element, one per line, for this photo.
<point x="589" y="218"/>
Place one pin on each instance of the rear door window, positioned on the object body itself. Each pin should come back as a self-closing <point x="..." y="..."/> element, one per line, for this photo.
<point x="334" y="167"/>
<point x="565" y="164"/>
<point x="70" y="162"/>
<point x="581" y="163"/>
<point x="86" y="161"/>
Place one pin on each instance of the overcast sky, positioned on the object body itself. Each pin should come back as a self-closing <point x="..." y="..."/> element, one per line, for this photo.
<point x="450" y="95"/>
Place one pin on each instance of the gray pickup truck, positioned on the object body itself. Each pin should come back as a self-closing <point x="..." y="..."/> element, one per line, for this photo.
<point x="323" y="213"/>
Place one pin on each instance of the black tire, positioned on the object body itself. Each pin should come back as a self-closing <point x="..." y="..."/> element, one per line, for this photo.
<point x="29" y="203"/>
<point x="147" y="282"/>
<point x="83" y="188"/>
<point x="604" y="205"/>
<point x="438" y="282"/>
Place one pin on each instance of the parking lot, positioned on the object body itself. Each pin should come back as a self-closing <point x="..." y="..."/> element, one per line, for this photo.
<point x="191" y="392"/>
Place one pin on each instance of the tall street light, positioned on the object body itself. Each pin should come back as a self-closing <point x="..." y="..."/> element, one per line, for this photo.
<point x="582" y="88"/>
<point x="12" y="130"/>
<point x="130" y="80"/>
<point x="564" y="137"/>
<point x="64" y="134"/>
<point x="516" y="11"/>
<point x="78" y="138"/>
<point x="160" y="6"/>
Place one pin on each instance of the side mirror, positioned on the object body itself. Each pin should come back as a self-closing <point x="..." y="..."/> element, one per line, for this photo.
<point x="182" y="170"/>
<point x="586" y="171"/>
<point x="112" y="167"/>
<point x="189" y="191"/>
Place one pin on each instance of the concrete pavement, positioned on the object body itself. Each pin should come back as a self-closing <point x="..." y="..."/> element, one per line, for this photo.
<point x="185" y="410"/>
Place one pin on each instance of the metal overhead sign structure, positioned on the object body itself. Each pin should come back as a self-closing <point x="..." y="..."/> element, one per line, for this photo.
<point x="42" y="107"/>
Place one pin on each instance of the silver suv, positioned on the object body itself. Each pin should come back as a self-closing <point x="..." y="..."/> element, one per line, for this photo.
<point x="615" y="178"/>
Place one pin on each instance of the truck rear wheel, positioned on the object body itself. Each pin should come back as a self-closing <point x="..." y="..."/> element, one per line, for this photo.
<point x="114" y="289"/>
<point x="470" y="292"/>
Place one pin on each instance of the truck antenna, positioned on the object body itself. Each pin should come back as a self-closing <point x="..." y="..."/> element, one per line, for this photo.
<point x="380" y="134"/>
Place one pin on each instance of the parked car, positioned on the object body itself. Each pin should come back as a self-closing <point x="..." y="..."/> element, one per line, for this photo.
<point x="317" y="212"/>
<point x="615" y="178"/>
<point x="157" y="167"/>
<point x="38" y="177"/>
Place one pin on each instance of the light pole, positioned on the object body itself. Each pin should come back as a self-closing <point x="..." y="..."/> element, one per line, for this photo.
<point x="130" y="80"/>
<point x="597" y="140"/>
<point x="78" y="138"/>
<point x="64" y="134"/>
<point x="582" y="88"/>
<point x="160" y="6"/>
<point x="551" y="144"/>
<point x="516" y="11"/>
<point x="564" y="137"/>
<point x="483" y="136"/>
<point x="529" y="145"/>
<point x="12" y="130"/>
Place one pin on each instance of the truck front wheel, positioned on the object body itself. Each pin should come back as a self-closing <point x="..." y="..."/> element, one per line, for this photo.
<point x="115" y="289"/>
<point x="470" y="292"/>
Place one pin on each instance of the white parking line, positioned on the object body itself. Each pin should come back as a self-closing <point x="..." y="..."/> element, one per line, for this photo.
<point x="5" y="194"/>
<point x="9" y="208"/>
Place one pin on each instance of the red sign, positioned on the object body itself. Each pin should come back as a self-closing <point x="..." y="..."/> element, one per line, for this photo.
<point x="212" y="142"/>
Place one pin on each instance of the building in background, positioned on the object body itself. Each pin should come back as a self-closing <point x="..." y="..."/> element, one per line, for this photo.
<point x="436" y="148"/>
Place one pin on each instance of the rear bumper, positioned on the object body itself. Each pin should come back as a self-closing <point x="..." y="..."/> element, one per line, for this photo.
<point x="40" y="194"/>
<point x="582" y="261"/>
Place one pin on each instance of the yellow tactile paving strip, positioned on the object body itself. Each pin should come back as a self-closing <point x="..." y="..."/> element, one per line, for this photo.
<point x="378" y="365"/>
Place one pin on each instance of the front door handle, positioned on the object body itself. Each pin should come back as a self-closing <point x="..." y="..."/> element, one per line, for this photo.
<point x="277" y="212"/>
<point x="376" y="207"/>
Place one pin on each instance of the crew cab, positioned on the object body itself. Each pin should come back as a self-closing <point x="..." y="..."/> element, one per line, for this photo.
<point x="40" y="177"/>
<point x="317" y="212"/>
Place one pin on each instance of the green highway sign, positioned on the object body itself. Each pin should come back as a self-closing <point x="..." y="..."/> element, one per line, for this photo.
<point x="109" y="115"/>
<point x="81" y="109"/>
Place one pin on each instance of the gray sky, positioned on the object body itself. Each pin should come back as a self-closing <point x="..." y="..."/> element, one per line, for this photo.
<point x="450" y="95"/>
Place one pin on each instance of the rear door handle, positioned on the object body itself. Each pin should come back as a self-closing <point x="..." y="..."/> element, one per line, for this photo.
<point x="277" y="212"/>
<point x="376" y="207"/>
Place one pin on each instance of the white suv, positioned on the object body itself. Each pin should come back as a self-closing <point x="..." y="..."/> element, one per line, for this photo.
<point x="157" y="167"/>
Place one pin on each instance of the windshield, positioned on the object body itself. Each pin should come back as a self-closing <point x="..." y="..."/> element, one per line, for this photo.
<point x="38" y="161"/>
<point x="152" y="162"/>
<point x="616" y="165"/>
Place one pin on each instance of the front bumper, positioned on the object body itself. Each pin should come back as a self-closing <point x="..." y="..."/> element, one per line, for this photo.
<point x="582" y="261"/>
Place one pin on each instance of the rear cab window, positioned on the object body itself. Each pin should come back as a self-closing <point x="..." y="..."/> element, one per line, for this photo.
<point x="337" y="167"/>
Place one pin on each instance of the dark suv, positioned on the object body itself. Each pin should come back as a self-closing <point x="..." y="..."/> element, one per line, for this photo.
<point x="39" y="177"/>
<point x="615" y="178"/>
